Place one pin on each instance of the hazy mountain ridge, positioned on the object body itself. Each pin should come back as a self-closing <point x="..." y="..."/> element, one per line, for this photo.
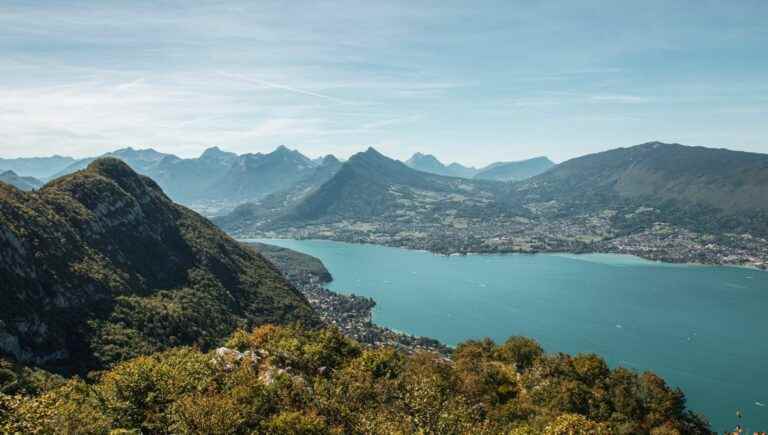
<point x="273" y="205"/>
<point x="100" y="265"/>
<point x="38" y="167"/>
<point x="139" y="160"/>
<point x="253" y="176"/>
<point x="23" y="183"/>
<point x="430" y="163"/>
<point x="498" y="171"/>
<point x="216" y="177"/>
<point x="515" y="171"/>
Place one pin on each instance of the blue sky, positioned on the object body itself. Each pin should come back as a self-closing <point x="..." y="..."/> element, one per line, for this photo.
<point x="472" y="82"/>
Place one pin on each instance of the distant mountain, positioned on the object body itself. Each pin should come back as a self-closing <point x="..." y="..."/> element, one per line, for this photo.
<point x="23" y="183"/>
<point x="430" y="163"/>
<point x="731" y="181"/>
<point x="253" y="176"/>
<point x="459" y="170"/>
<point x="375" y="190"/>
<point x="696" y="186"/>
<point x="100" y="265"/>
<point x="38" y="167"/>
<point x="514" y="171"/>
<point x="216" y="177"/>
<point x="254" y="213"/>
<point x="189" y="180"/>
<point x="139" y="160"/>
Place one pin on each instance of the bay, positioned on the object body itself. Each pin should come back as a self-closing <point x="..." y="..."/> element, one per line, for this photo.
<point x="701" y="328"/>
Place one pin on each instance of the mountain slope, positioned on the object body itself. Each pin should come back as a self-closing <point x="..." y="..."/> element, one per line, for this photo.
<point x="23" y="183"/>
<point x="660" y="201"/>
<point x="38" y="167"/>
<point x="514" y="171"/>
<point x="730" y="181"/>
<point x="372" y="185"/>
<point x="100" y="265"/>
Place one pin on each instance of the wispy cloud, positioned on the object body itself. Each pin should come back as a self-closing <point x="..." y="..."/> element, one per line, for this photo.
<point x="626" y="99"/>
<point x="79" y="77"/>
<point x="281" y="86"/>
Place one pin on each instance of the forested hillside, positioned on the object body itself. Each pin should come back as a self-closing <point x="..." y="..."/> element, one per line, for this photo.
<point x="100" y="266"/>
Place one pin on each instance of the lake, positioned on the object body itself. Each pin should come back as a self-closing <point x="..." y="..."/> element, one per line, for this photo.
<point x="702" y="328"/>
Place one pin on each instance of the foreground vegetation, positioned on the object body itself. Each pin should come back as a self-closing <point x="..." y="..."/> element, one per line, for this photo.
<point x="288" y="380"/>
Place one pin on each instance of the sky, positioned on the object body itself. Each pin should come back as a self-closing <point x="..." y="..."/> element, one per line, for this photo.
<point x="473" y="82"/>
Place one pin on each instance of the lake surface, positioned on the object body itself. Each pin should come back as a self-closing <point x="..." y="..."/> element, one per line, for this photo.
<point x="703" y="329"/>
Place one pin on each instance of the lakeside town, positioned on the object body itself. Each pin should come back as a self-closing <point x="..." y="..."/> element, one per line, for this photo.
<point x="353" y="316"/>
<point x="580" y="235"/>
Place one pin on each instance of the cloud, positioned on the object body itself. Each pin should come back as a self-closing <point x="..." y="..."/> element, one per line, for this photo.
<point x="281" y="86"/>
<point x="626" y="99"/>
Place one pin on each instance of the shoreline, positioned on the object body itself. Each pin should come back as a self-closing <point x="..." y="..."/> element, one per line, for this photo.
<point x="352" y="314"/>
<point x="445" y="253"/>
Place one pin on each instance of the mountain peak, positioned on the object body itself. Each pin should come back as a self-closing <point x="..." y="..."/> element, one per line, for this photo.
<point x="143" y="154"/>
<point x="371" y="152"/>
<point x="330" y="158"/>
<point x="420" y="158"/>
<point x="216" y="153"/>
<point x="111" y="167"/>
<point x="369" y="155"/>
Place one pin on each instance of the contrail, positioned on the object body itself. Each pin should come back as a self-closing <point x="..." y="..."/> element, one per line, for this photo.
<point x="279" y="86"/>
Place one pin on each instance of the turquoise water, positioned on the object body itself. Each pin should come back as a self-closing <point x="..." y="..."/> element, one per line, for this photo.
<point x="702" y="328"/>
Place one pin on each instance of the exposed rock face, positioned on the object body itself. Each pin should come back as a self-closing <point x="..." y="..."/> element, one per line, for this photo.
<point x="98" y="265"/>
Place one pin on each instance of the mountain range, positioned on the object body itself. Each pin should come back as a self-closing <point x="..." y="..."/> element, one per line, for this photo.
<point x="430" y="163"/>
<point x="23" y="183"/>
<point x="217" y="179"/>
<point x="515" y="171"/>
<point x="631" y="200"/>
<point x="38" y="167"/>
<point x="100" y="265"/>
<point x="499" y="171"/>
